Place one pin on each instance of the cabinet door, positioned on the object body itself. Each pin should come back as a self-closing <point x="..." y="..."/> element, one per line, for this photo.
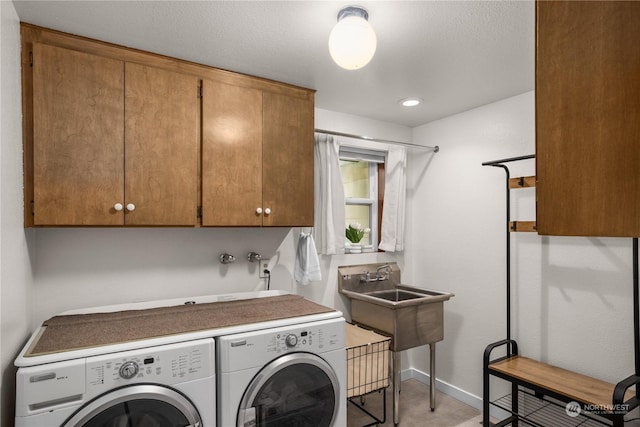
<point x="162" y="117"/>
<point x="287" y="166"/>
<point x="231" y="155"/>
<point x="588" y="118"/>
<point x="78" y="137"/>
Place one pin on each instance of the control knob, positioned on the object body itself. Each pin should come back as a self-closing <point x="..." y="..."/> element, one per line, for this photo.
<point x="291" y="340"/>
<point x="128" y="370"/>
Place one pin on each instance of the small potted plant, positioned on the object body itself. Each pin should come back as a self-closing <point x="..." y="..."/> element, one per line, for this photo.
<point x="355" y="233"/>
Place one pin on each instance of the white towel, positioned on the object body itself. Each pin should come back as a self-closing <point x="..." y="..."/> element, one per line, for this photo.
<point x="307" y="267"/>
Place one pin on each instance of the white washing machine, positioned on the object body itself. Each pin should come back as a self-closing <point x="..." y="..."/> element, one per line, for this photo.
<point x="162" y="386"/>
<point x="286" y="376"/>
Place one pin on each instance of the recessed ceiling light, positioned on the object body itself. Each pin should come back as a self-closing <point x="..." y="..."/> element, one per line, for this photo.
<point x="410" y="102"/>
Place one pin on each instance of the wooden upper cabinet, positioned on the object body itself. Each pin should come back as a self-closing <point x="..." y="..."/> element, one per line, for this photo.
<point x="98" y="121"/>
<point x="588" y="118"/>
<point x="78" y="128"/>
<point x="257" y="157"/>
<point x="231" y="155"/>
<point x="118" y="137"/>
<point x="162" y="116"/>
<point x="288" y="157"/>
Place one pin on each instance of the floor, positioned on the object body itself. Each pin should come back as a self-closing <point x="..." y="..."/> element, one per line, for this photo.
<point x="414" y="409"/>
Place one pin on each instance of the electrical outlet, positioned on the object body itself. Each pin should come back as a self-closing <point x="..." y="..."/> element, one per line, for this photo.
<point x="264" y="265"/>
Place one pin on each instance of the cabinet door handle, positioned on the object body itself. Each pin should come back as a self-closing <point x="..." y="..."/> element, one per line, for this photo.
<point x="259" y="211"/>
<point x="267" y="211"/>
<point x="117" y="207"/>
<point x="131" y="207"/>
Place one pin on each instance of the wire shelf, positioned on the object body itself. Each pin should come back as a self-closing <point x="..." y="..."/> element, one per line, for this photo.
<point x="541" y="412"/>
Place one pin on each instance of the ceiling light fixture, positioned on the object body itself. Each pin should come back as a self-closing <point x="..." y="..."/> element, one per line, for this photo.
<point x="410" y="102"/>
<point x="352" y="41"/>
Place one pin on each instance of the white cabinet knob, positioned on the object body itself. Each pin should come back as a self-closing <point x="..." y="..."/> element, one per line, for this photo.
<point x="131" y="207"/>
<point x="267" y="211"/>
<point x="117" y="207"/>
<point x="259" y="211"/>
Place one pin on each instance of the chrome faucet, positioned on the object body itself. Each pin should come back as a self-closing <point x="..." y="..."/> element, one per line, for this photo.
<point x="367" y="276"/>
<point x="387" y="272"/>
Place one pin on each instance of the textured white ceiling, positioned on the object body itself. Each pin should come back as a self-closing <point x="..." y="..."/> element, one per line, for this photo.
<point x="456" y="55"/>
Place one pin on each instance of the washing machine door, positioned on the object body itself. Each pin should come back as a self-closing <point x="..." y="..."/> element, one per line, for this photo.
<point x="143" y="405"/>
<point x="298" y="389"/>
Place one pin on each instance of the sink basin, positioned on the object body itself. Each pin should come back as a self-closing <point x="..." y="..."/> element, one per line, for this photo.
<point x="394" y="295"/>
<point x="399" y="297"/>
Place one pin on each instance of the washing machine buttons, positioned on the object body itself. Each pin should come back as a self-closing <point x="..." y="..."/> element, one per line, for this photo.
<point x="128" y="370"/>
<point x="291" y="340"/>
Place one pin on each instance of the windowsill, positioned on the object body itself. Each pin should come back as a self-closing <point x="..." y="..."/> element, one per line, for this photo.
<point x="350" y="250"/>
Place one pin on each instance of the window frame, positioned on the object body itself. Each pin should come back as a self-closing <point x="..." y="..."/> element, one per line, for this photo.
<point x="376" y="165"/>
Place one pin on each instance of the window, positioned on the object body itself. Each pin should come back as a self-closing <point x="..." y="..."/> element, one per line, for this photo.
<point x="363" y="178"/>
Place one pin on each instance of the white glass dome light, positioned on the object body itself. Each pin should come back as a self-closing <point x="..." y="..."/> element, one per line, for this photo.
<point x="352" y="42"/>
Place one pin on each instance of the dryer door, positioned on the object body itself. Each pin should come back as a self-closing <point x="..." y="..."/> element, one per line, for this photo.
<point x="137" y="405"/>
<point x="298" y="389"/>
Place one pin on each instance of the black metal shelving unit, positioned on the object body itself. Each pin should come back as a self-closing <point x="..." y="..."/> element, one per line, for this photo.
<point x="536" y="403"/>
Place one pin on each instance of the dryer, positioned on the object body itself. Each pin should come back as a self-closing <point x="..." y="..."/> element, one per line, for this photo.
<point x="168" y="385"/>
<point x="285" y="376"/>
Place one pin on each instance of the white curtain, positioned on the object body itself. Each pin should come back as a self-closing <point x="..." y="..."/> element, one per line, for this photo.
<point x="329" y="220"/>
<point x="395" y="194"/>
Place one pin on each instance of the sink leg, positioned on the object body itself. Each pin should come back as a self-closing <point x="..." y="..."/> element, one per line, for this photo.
<point x="432" y="375"/>
<point x="396" y="387"/>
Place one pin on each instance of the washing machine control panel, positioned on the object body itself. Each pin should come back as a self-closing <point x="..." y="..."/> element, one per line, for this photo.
<point x="168" y="364"/>
<point x="240" y="351"/>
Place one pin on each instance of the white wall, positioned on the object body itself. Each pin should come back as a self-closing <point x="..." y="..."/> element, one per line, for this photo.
<point x="572" y="299"/>
<point x="15" y="266"/>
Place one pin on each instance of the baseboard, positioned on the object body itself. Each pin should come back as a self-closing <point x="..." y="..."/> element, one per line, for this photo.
<point x="453" y="391"/>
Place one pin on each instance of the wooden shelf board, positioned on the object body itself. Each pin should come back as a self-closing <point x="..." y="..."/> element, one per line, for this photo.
<point x="522" y="182"/>
<point x="525" y="226"/>
<point x="573" y="385"/>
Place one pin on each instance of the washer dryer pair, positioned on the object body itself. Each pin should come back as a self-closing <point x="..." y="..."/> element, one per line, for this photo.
<point x="285" y="376"/>
<point x="167" y="385"/>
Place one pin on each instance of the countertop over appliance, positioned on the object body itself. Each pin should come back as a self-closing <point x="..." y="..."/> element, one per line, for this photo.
<point x="84" y="331"/>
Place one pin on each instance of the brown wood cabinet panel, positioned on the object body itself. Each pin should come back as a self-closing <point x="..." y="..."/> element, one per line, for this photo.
<point x="78" y="137"/>
<point x="588" y="118"/>
<point x="162" y="113"/>
<point x="287" y="166"/>
<point x="231" y="155"/>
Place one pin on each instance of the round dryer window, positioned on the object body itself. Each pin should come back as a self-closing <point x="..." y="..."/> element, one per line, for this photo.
<point x="138" y="405"/>
<point x="299" y="389"/>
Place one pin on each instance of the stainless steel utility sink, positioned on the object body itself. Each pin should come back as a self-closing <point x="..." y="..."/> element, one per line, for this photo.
<point x="412" y="316"/>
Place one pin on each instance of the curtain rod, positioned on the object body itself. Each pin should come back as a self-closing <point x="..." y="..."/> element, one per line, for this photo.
<point x="386" y="141"/>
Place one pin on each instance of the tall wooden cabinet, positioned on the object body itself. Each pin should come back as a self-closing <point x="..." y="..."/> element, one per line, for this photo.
<point x="588" y="118"/>
<point x="114" y="136"/>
